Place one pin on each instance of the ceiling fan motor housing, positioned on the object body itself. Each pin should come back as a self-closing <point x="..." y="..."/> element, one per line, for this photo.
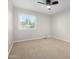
<point x="48" y="2"/>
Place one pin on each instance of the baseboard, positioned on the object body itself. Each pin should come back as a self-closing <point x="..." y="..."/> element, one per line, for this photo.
<point x="10" y="48"/>
<point x="48" y="37"/>
<point x="43" y="37"/>
<point x="63" y="39"/>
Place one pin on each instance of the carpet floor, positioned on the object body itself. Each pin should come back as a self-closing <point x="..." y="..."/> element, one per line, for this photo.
<point x="41" y="49"/>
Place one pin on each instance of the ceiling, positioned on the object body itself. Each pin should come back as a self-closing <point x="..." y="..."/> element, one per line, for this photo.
<point x="34" y="6"/>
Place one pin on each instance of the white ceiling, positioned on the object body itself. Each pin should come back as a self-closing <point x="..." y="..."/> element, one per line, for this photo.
<point x="34" y="6"/>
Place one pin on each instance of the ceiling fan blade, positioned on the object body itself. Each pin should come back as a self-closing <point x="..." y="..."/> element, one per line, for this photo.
<point x="41" y="2"/>
<point x="55" y="2"/>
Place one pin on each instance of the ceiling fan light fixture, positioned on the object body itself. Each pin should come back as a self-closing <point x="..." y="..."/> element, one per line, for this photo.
<point x="48" y="6"/>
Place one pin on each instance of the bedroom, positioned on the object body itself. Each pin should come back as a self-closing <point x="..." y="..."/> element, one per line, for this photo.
<point x="36" y="31"/>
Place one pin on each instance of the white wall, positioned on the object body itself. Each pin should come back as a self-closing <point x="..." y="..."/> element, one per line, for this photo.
<point x="10" y="25"/>
<point x="56" y="25"/>
<point x="42" y="29"/>
<point x="60" y="25"/>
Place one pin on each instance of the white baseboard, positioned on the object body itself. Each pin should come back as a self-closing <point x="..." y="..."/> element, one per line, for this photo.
<point x="43" y="37"/>
<point x="66" y="40"/>
<point x="10" y="48"/>
<point x="48" y="37"/>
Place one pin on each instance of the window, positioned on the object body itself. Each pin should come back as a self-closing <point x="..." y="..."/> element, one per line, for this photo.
<point x="27" y="21"/>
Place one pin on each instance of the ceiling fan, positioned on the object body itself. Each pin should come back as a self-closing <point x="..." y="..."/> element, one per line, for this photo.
<point x="48" y="3"/>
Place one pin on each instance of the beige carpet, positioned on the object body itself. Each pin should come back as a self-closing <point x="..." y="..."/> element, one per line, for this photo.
<point x="40" y="49"/>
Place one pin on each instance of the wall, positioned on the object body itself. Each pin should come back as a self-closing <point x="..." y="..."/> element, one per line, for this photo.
<point x="60" y="25"/>
<point x="10" y="25"/>
<point x="42" y="29"/>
